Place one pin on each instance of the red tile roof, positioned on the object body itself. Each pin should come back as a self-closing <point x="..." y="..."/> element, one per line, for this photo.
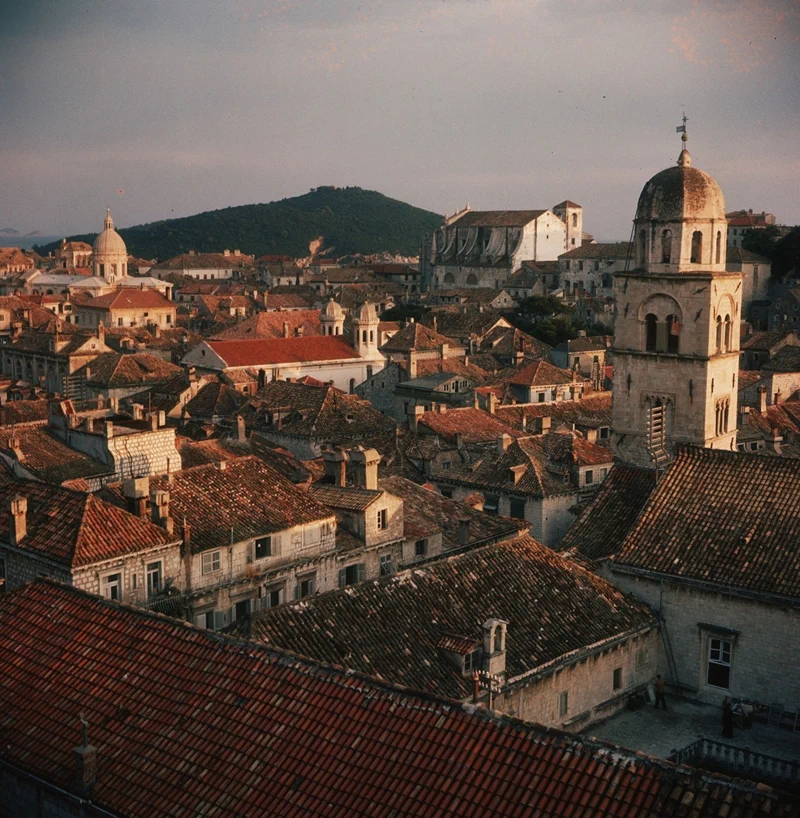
<point x="77" y="529"/>
<point x="260" y="352"/>
<point x="271" y="325"/>
<point x="541" y="373"/>
<point x="726" y="518"/>
<point x="474" y="425"/>
<point x="129" y="298"/>
<point x="189" y="723"/>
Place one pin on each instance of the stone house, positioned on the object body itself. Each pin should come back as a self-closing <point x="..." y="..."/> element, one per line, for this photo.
<point x="714" y="554"/>
<point x="433" y="626"/>
<point x="588" y="354"/>
<point x="541" y="382"/>
<point x="758" y="348"/>
<point x="126" y="307"/>
<point x="79" y="539"/>
<point x="589" y="270"/>
<point x="205" y="266"/>
<point x="493" y="298"/>
<point x="543" y="479"/>
<point x="113" y="375"/>
<point x="784" y="313"/>
<point x="441" y="389"/>
<point x="533" y="278"/>
<point x="755" y="270"/>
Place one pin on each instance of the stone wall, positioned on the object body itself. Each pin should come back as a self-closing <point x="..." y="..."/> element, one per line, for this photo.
<point x="24" y="797"/>
<point x="588" y="683"/>
<point x="766" y="652"/>
<point x="26" y="566"/>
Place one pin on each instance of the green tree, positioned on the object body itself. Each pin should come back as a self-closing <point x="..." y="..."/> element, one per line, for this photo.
<point x="761" y="240"/>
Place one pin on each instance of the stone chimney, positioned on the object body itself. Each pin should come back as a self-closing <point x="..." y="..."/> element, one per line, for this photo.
<point x="463" y="531"/>
<point x="335" y="463"/>
<point x="15" y="445"/>
<point x="299" y="332"/>
<point x="459" y="440"/>
<point x="442" y="408"/>
<point x="162" y="418"/>
<point x="491" y="403"/>
<point x="138" y="411"/>
<point x="544" y="424"/>
<point x="503" y="442"/>
<point x="413" y="417"/>
<point x="762" y="400"/>
<point x="523" y="421"/>
<point x="136" y="490"/>
<point x="494" y="646"/>
<point x="101" y="335"/>
<point x="85" y="763"/>
<point x="591" y="435"/>
<point x="154" y="421"/>
<point x="19" y="519"/>
<point x="443" y="350"/>
<point x="744" y="411"/>
<point x="365" y="462"/>
<point x="159" y="508"/>
<point x="90" y="425"/>
<point x="285" y="329"/>
<point x="241" y="430"/>
<point x="412" y="364"/>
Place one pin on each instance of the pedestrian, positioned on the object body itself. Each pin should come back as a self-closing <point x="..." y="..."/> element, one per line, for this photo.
<point x="727" y="718"/>
<point x="660" y="697"/>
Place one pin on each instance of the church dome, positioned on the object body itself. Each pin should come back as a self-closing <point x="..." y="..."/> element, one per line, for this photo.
<point x="366" y="313"/>
<point x="681" y="192"/>
<point x="109" y="242"/>
<point x="332" y="310"/>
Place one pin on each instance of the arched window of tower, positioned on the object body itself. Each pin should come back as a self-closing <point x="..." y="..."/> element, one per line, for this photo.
<point x="666" y="246"/>
<point x="719" y="333"/>
<point x="650" y="332"/>
<point x="472" y="280"/>
<point x="642" y="246"/>
<point x="719" y="246"/>
<point x="727" y="333"/>
<point x="574" y="219"/>
<point x="697" y="247"/>
<point x="673" y="334"/>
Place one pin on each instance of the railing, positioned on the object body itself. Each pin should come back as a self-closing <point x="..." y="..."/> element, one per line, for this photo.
<point x="742" y="760"/>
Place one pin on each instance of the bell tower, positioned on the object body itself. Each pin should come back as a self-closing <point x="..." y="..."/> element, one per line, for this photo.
<point x="676" y="347"/>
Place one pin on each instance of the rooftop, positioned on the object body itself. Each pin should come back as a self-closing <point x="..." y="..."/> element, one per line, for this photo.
<point x="129" y="298"/>
<point x="114" y="369"/>
<point x="496" y="218"/>
<point x="283" y="350"/>
<point x="416" y="336"/>
<point x="613" y="250"/>
<point x="187" y="722"/>
<point x="541" y="373"/>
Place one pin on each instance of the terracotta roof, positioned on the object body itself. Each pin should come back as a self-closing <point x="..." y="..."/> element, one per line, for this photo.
<point x="601" y="529"/>
<point x="786" y="359"/>
<point x="434" y="510"/>
<point x="23" y="411"/>
<point x="418" y="337"/>
<point x="344" y="497"/>
<point x="507" y="341"/>
<point x="129" y="298"/>
<point x="214" y="399"/>
<point x="474" y="425"/>
<point x="77" y="529"/>
<point x="586" y="343"/>
<point x="271" y="325"/>
<point x="277" y="301"/>
<point x="738" y="255"/>
<point x="541" y="373"/>
<point x="392" y="627"/>
<point x="283" y="350"/>
<point x="47" y="458"/>
<point x="205" y="261"/>
<point x="591" y="412"/>
<point x="496" y="218"/>
<point x="765" y="340"/>
<point x="725" y="518"/>
<point x="566" y="203"/>
<point x="463" y="322"/>
<point x="114" y="369"/>
<point x="245" y="499"/>
<point x="261" y="717"/>
<point x="614" y="250"/>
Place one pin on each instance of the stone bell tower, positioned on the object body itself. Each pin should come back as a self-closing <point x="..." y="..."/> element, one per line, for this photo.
<point x="676" y="347"/>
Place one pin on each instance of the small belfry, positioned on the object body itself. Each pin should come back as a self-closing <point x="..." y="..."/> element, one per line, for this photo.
<point x="676" y="347"/>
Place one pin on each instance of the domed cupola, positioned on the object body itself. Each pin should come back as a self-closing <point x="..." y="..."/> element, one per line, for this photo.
<point x="680" y="223"/>
<point x="109" y="253"/>
<point x="331" y="318"/>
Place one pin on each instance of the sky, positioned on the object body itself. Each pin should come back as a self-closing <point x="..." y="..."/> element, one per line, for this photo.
<point x="163" y="108"/>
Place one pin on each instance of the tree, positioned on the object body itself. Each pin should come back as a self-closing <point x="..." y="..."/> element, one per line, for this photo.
<point x="761" y="240"/>
<point x="786" y="254"/>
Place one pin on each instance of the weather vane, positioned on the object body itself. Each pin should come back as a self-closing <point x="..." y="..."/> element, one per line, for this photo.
<point x="682" y="128"/>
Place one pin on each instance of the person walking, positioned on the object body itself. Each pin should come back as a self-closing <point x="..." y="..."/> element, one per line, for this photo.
<point x="661" y="685"/>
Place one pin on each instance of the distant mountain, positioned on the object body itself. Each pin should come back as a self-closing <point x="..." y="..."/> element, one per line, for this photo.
<point x="337" y="221"/>
<point x="9" y="232"/>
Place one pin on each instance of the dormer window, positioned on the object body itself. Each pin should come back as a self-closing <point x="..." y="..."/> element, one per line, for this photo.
<point x="472" y="661"/>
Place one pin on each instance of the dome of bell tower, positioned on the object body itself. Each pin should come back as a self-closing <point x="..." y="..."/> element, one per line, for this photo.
<point x="681" y="192"/>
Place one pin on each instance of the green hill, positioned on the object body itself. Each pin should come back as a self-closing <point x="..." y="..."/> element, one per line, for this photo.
<point x="349" y="220"/>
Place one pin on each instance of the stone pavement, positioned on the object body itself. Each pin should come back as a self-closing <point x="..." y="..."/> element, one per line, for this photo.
<point x="659" y="732"/>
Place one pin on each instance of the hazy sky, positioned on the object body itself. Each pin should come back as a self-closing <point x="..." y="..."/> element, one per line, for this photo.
<point x="163" y="108"/>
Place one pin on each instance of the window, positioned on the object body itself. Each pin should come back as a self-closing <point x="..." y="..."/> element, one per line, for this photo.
<point x="541" y="397"/>
<point x="382" y="519"/>
<point x="472" y="661"/>
<point x="306" y="586"/>
<point x="112" y="586"/>
<point x="727" y="333"/>
<point x="697" y="247"/>
<point x="603" y="474"/>
<point x="273" y="596"/>
<point x="641" y="659"/>
<point x="642" y="246"/>
<point x="719" y="246"/>
<point x="589" y="477"/>
<point x="134" y="581"/>
<point x="574" y="219"/>
<point x="153" y="578"/>
<point x="447" y="492"/>
<point x="719" y="333"/>
<point x="580" y="266"/>
<point x="517" y="510"/>
<point x="491" y="503"/>
<point x="263" y="547"/>
<point x="421" y="548"/>
<point x="666" y="246"/>
<point x="563" y="703"/>
<point x="209" y="618"/>
<point x="650" y="332"/>
<point x="617" y="678"/>
<point x="386" y="567"/>
<point x="604" y="432"/>
<point x="241" y="609"/>
<point x="673" y="334"/>
<point x="211" y="562"/>
<point x="351" y="574"/>
<point x="2" y="576"/>
<point x="719" y="663"/>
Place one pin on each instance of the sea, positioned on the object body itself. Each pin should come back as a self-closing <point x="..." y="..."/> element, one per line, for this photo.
<point x="26" y="242"/>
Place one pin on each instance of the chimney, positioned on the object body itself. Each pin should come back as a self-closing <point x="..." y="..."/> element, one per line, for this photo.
<point x="366" y="463"/>
<point x="778" y="398"/>
<point x="443" y="350"/>
<point x="442" y="408"/>
<point x="85" y="758"/>
<point x="299" y="332"/>
<point x="159" y="508"/>
<point x="136" y="490"/>
<point x="15" y="445"/>
<point x="19" y="519"/>
<point x="544" y="424"/>
<point x="762" y="400"/>
<point x="459" y="440"/>
<point x="503" y="442"/>
<point x="90" y="425"/>
<point x="412" y="364"/>
<point x="491" y="403"/>
<point x="591" y="435"/>
<point x="744" y="411"/>
<point x="162" y="418"/>
<point x="523" y="421"/>
<point x="335" y="464"/>
<point x="463" y="531"/>
<point x="476" y="687"/>
<point x="285" y="329"/>
<point x="154" y="421"/>
<point x="101" y="334"/>
<point x="241" y="430"/>
<point x="413" y="417"/>
<point x="138" y="411"/>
